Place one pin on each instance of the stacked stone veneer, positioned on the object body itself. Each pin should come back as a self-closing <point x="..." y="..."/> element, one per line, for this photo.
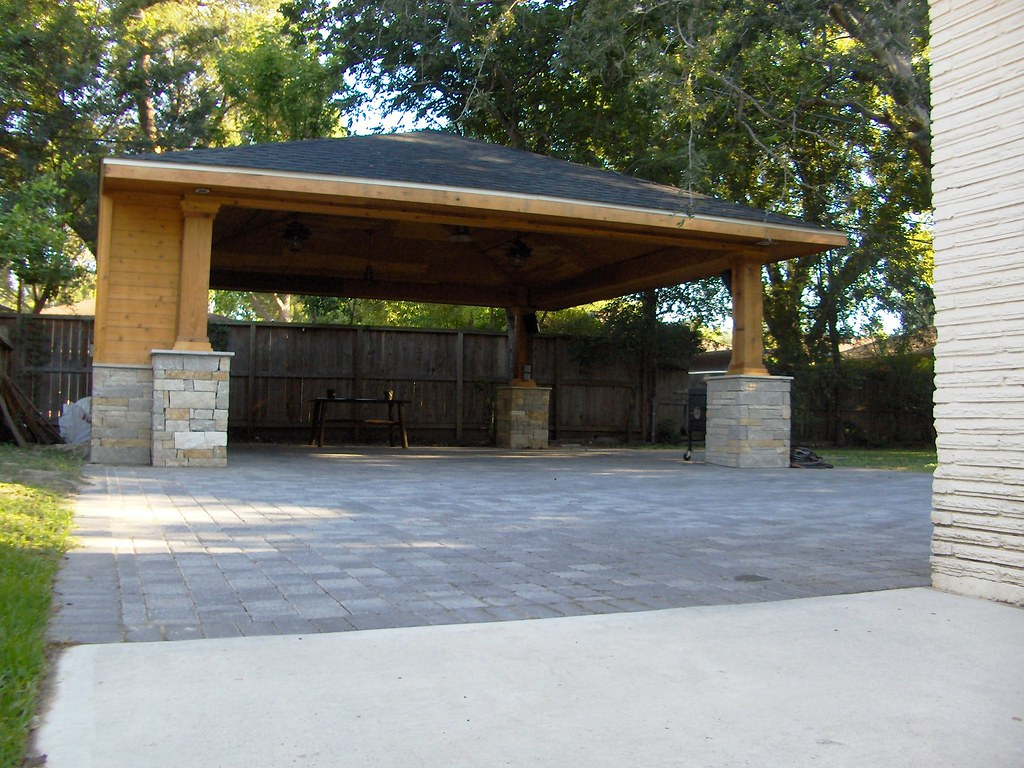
<point x="748" y="421"/>
<point x="190" y="408"/>
<point x="122" y="414"/>
<point x="521" y="417"/>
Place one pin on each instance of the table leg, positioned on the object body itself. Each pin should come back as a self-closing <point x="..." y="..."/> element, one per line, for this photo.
<point x="314" y="423"/>
<point x="321" y="426"/>
<point x="391" y="425"/>
<point x="401" y="426"/>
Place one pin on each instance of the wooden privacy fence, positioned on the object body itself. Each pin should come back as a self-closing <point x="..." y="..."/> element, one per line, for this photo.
<point x="51" y="360"/>
<point x="449" y="377"/>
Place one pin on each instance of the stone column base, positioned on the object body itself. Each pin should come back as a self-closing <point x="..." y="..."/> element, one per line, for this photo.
<point x="748" y="421"/>
<point x="122" y="414"/>
<point x="521" y="417"/>
<point x="190" y="408"/>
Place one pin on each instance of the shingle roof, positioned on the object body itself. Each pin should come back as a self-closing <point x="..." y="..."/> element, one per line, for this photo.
<point x="445" y="159"/>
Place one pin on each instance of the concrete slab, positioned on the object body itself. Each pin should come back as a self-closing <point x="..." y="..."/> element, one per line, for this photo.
<point x="901" y="678"/>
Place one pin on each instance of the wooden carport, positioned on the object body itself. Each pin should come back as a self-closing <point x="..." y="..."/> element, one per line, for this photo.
<point x="422" y="216"/>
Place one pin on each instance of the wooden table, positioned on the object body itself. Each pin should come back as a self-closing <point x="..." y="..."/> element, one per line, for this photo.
<point x="395" y="417"/>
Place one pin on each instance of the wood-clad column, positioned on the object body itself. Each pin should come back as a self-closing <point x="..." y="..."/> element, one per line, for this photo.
<point x="521" y="409"/>
<point x="103" y="256"/>
<point x="522" y="341"/>
<point x="747" y="319"/>
<point x="194" y="277"/>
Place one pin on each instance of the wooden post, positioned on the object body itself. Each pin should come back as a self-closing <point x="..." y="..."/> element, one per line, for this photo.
<point x="522" y="340"/>
<point x="747" y="318"/>
<point x="103" y="237"/>
<point x="194" y="275"/>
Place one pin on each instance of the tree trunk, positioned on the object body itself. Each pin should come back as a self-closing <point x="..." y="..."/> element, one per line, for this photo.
<point x="648" y="364"/>
<point x="275" y="307"/>
<point x="836" y="382"/>
<point x="144" y="103"/>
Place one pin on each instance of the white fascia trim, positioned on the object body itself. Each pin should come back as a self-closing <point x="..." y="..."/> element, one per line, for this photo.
<point x="467" y="191"/>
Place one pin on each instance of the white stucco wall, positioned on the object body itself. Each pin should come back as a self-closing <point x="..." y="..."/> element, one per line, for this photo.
<point x="978" y="128"/>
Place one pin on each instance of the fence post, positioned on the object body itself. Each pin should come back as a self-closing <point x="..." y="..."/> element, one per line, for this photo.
<point x="460" y="361"/>
<point x="557" y="389"/>
<point x="357" y="359"/>
<point x="250" y="385"/>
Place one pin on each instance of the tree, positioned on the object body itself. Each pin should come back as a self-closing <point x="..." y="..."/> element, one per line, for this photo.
<point x="839" y="115"/>
<point x="278" y="92"/>
<point x="813" y="108"/>
<point x="163" y="87"/>
<point x="810" y="108"/>
<point x="81" y="80"/>
<point x="85" y="79"/>
<point x="40" y="254"/>
<point x="275" y="91"/>
<point x="49" y="68"/>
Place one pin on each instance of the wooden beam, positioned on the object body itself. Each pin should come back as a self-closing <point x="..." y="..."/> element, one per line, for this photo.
<point x="716" y="236"/>
<point x="358" y="214"/>
<point x="325" y="285"/>
<point x="627" y="277"/>
<point x="246" y="187"/>
<point x="194" y="277"/>
<point x="590" y="251"/>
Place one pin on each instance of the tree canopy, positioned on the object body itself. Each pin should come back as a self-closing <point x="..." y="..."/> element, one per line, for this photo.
<point x="81" y="80"/>
<point x="817" y="109"/>
<point x="810" y="108"/>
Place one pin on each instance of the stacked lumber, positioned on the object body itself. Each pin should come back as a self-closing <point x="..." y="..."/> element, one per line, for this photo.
<point x="21" y="418"/>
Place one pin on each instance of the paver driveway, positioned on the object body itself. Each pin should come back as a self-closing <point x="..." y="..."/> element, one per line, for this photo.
<point x="296" y="540"/>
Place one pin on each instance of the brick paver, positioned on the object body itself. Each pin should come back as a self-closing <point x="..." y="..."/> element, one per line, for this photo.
<point x="290" y="540"/>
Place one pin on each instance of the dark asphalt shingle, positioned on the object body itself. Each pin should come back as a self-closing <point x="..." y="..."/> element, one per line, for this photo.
<point x="445" y="159"/>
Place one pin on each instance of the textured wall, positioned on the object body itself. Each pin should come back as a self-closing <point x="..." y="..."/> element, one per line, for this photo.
<point x="978" y="100"/>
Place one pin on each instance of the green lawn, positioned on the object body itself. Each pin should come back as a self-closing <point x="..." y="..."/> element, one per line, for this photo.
<point x="903" y="459"/>
<point x="35" y="519"/>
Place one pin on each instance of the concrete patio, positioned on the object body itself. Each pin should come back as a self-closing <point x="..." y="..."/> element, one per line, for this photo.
<point x="909" y="678"/>
<point x="673" y="637"/>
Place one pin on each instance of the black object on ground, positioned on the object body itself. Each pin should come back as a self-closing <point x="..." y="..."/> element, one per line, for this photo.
<point x="805" y="458"/>
<point x="696" y="417"/>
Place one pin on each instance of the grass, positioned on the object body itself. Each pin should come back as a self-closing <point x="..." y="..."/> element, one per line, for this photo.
<point x="35" y="521"/>
<point x="899" y="459"/>
<point x="902" y="459"/>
